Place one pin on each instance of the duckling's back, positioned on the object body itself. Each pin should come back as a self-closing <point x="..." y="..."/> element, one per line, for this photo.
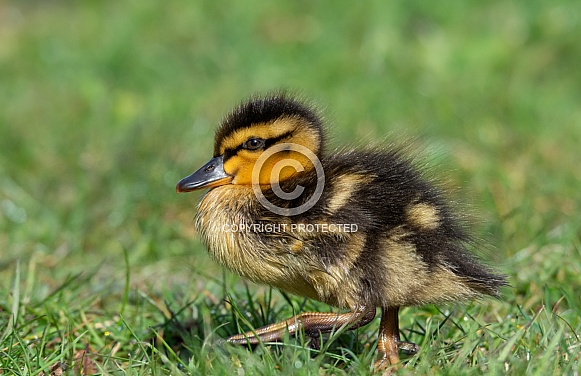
<point x="380" y="234"/>
<point x="413" y="249"/>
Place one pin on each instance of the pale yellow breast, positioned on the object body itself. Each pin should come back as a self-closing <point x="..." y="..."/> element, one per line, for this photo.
<point x="222" y="220"/>
<point x="223" y="215"/>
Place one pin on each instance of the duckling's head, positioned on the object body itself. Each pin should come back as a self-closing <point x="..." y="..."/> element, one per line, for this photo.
<point x="278" y="128"/>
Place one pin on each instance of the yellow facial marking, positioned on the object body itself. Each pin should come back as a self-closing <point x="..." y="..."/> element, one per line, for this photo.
<point x="305" y="138"/>
<point x="423" y="216"/>
<point x="233" y="165"/>
<point x="241" y="165"/>
<point x="262" y="130"/>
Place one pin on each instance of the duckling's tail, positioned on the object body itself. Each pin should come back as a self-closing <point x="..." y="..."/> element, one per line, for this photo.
<point x="479" y="277"/>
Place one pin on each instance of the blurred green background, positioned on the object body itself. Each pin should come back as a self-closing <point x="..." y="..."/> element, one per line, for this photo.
<point x="105" y="105"/>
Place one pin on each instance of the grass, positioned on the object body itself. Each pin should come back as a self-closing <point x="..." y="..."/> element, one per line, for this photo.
<point x="104" y="106"/>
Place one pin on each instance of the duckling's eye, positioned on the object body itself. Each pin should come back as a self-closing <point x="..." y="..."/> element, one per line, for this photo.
<point x="253" y="144"/>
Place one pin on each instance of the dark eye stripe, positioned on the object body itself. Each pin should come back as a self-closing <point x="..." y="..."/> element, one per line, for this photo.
<point x="229" y="153"/>
<point x="271" y="141"/>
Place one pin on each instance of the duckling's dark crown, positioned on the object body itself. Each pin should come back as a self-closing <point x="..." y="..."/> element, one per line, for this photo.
<point x="265" y="110"/>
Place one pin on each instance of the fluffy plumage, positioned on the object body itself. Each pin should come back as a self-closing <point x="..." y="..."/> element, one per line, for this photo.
<point x="404" y="245"/>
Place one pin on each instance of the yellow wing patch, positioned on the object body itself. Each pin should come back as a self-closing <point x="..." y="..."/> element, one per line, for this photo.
<point x="343" y="189"/>
<point x="424" y="216"/>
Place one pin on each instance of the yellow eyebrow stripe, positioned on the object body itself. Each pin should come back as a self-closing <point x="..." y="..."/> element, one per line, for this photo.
<point x="262" y="130"/>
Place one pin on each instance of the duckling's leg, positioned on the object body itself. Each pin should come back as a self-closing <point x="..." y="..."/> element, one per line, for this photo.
<point x="313" y="323"/>
<point x="389" y="343"/>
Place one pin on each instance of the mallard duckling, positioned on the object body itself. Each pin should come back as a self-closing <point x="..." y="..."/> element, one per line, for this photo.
<point x="356" y="229"/>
